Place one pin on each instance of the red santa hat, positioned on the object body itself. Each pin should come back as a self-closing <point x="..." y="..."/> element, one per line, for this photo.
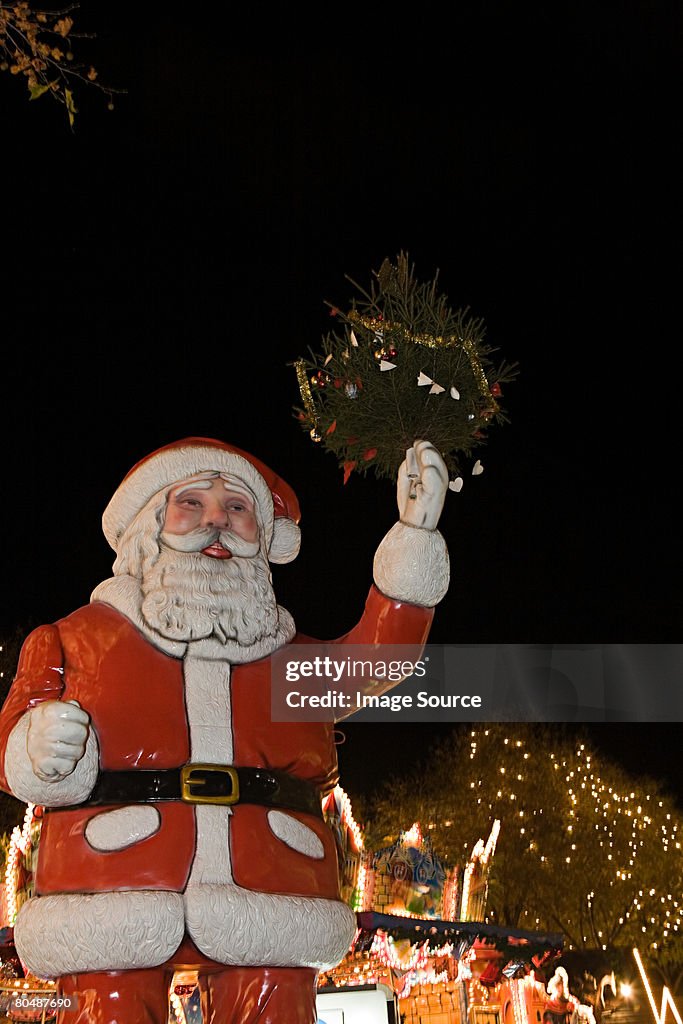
<point x="277" y="508"/>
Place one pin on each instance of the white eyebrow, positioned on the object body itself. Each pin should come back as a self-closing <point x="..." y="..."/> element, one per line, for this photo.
<point x="205" y="482"/>
<point x="235" y="485"/>
<point x="197" y="485"/>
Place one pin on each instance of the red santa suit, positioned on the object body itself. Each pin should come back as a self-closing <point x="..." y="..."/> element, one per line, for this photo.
<point x="132" y="886"/>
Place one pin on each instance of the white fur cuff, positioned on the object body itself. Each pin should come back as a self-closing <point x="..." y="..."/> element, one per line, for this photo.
<point x="412" y="565"/>
<point x="26" y="786"/>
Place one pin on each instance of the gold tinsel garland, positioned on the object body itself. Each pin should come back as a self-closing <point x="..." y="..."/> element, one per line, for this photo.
<point x="426" y="340"/>
<point x="306" y="395"/>
<point x="429" y="341"/>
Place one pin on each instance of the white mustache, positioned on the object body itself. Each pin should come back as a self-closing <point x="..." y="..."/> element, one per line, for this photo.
<point x="202" y="538"/>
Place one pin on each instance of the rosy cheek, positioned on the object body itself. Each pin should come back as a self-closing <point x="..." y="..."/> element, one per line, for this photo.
<point x="178" y="520"/>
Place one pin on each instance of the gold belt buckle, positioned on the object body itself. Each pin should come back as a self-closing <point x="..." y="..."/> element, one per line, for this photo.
<point x="188" y="780"/>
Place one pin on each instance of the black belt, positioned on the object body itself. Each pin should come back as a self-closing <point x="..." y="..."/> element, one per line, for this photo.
<point x="207" y="784"/>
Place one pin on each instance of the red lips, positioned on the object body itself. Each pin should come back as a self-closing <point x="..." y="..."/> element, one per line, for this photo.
<point x="216" y="550"/>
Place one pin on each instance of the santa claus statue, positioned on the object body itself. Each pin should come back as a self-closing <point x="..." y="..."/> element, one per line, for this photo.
<point x="182" y="827"/>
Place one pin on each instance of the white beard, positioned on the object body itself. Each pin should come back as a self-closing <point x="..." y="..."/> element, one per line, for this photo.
<point x="189" y="596"/>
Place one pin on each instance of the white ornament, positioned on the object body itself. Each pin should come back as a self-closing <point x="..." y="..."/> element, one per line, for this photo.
<point x="456" y="485"/>
<point x="384" y="365"/>
<point x="423" y="379"/>
<point x="477" y="469"/>
<point x="455" y="393"/>
<point x="327" y="359"/>
<point x="436" y="389"/>
<point x="354" y="340"/>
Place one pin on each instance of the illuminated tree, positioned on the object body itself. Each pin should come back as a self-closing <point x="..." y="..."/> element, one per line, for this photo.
<point x="584" y="848"/>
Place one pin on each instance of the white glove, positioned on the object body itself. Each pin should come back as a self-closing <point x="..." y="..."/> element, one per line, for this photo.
<point x="56" y="738"/>
<point x="422" y="485"/>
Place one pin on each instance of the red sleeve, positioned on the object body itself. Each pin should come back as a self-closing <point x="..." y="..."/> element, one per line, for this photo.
<point x="39" y="677"/>
<point x="398" y="627"/>
<point x="386" y="621"/>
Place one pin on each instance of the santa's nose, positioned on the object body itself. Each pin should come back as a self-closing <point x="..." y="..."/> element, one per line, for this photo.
<point x="217" y="517"/>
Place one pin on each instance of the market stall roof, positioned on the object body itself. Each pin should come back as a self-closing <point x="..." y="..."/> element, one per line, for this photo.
<point x="521" y="945"/>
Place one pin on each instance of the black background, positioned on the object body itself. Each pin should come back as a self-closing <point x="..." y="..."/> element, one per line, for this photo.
<point x="164" y="263"/>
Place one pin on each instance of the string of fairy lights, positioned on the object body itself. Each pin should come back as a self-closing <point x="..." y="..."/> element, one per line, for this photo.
<point x="341" y="797"/>
<point x="481" y="854"/>
<point x="177" y="1008"/>
<point x="632" y="836"/>
<point x="19" y="846"/>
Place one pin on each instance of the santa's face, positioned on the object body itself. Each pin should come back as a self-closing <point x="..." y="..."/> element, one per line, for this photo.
<point x="208" y="575"/>
<point x="206" y="508"/>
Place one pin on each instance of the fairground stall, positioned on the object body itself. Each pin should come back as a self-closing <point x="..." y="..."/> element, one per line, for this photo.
<point x="422" y="936"/>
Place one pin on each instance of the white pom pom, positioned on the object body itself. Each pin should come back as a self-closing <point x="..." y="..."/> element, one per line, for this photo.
<point x="284" y="547"/>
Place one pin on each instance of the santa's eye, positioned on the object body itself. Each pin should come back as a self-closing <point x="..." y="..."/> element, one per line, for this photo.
<point x="189" y="502"/>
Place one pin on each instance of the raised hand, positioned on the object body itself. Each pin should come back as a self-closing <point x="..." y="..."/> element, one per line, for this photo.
<point x="422" y="485"/>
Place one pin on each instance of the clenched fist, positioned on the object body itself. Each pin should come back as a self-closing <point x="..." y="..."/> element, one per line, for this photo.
<point x="56" y="739"/>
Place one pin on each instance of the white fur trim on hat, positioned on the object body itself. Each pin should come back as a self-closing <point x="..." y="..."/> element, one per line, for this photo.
<point x="175" y="465"/>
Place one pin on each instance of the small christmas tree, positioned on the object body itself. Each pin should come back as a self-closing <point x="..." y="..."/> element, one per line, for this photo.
<point x="402" y="366"/>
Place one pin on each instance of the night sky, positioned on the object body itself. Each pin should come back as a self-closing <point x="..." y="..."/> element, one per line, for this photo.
<point x="164" y="263"/>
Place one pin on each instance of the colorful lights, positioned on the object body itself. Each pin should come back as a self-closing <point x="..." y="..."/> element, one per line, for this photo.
<point x="19" y="845"/>
<point x="400" y="956"/>
<point x="413" y="836"/>
<point x="475" y="877"/>
<point x="177" y="1007"/>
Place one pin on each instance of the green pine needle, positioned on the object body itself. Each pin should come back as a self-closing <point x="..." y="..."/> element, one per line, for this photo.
<point x="366" y="416"/>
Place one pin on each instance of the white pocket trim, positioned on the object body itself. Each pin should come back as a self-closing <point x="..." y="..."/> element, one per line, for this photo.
<point x="296" y="835"/>
<point x="123" y="827"/>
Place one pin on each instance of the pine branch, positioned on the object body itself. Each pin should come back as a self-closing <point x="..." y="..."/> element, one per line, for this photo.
<point x="401" y="365"/>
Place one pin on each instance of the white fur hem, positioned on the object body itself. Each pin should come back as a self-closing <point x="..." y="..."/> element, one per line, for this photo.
<point x="411" y="564"/>
<point x="240" y="927"/>
<point x="109" y="931"/>
<point x="26" y="786"/>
